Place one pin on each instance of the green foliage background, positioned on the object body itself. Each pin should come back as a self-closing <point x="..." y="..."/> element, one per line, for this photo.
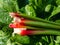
<point x="45" y="9"/>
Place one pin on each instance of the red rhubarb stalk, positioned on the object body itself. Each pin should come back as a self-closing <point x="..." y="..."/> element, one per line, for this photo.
<point x="16" y="26"/>
<point x="38" y="19"/>
<point x="32" y="18"/>
<point x="14" y="14"/>
<point x="39" y="24"/>
<point x="22" y="26"/>
<point x="35" y="32"/>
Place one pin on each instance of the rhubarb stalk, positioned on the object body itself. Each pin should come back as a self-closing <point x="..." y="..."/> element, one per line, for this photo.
<point x="22" y="26"/>
<point x="38" y="19"/>
<point x="40" y="24"/>
<point x="35" y="32"/>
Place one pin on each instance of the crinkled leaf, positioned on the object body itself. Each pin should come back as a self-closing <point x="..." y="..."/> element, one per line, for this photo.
<point x="47" y="8"/>
<point x="57" y="41"/>
<point x="58" y="2"/>
<point x="57" y="21"/>
<point x="4" y="17"/>
<point x="20" y="39"/>
<point x="7" y="5"/>
<point x="38" y="3"/>
<point x="7" y="30"/>
<point x="1" y="2"/>
<point x="54" y="12"/>
<point x="3" y="38"/>
<point x="30" y="10"/>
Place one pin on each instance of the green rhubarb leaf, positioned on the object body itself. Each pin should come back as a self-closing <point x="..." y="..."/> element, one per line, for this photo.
<point x="54" y="12"/>
<point x="58" y="2"/>
<point x="9" y="42"/>
<point x="47" y="8"/>
<point x="4" y="17"/>
<point x="57" y="41"/>
<point x="20" y="39"/>
<point x="38" y="3"/>
<point x="3" y="38"/>
<point x="12" y="43"/>
<point x="11" y="5"/>
<point x="57" y="21"/>
<point x="7" y="30"/>
<point x="7" y="5"/>
<point x="52" y="40"/>
<point x="1" y="2"/>
<point x="30" y="10"/>
<point x="45" y="38"/>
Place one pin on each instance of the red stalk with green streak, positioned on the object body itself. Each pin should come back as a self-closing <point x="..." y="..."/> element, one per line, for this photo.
<point x="32" y="18"/>
<point x="39" y="32"/>
<point x="37" y="19"/>
<point x="39" y="24"/>
<point x="22" y="26"/>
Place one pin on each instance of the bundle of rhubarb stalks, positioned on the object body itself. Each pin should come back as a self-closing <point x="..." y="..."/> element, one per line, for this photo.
<point x="28" y="25"/>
